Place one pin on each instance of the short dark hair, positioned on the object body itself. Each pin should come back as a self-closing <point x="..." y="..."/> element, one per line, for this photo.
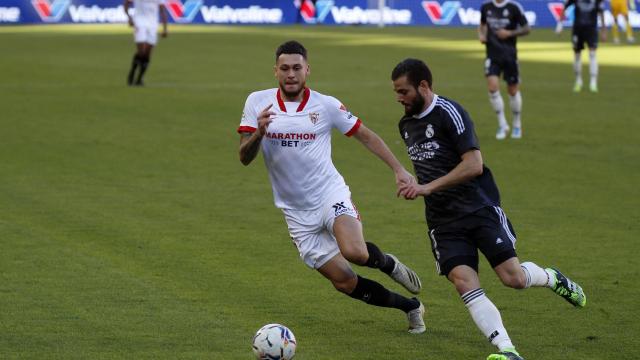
<point x="415" y="70"/>
<point x="291" y="47"/>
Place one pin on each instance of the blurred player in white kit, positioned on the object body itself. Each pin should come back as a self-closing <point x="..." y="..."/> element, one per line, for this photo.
<point x="145" y="24"/>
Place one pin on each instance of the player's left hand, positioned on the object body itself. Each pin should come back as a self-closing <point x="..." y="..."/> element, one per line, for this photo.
<point x="503" y="34"/>
<point x="164" y="34"/>
<point x="603" y="35"/>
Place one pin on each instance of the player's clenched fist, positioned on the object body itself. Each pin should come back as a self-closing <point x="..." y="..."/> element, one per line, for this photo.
<point x="264" y="119"/>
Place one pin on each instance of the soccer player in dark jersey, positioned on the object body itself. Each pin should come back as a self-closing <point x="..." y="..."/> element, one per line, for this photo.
<point x="585" y="30"/>
<point x="501" y="22"/>
<point x="463" y="204"/>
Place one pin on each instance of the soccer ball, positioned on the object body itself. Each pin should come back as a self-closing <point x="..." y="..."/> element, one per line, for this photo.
<point x="274" y="342"/>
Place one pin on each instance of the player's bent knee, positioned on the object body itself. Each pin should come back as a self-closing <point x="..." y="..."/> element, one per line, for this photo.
<point x="514" y="281"/>
<point x="356" y="255"/>
<point x="462" y="285"/>
<point x="346" y="286"/>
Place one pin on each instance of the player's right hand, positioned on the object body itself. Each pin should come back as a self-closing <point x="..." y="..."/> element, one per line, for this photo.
<point x="264" y="119"/>
<point x="131" y="22"/>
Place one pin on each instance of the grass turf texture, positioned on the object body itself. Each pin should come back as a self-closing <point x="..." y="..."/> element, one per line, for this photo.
<point x="129" y="229"/>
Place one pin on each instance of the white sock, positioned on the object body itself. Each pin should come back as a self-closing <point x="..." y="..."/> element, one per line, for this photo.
<point x="516" y="108"/>
<point x="536" y="276"/>
<point x="577" y="67"/>
<point x="487" y="318"/>
<point x="593" y="66"/>
<point x="498" y="106"/>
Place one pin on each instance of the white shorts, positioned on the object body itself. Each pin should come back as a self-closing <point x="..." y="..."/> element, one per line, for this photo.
<point x="312" y="230"/>
<point x="145" y="33"/>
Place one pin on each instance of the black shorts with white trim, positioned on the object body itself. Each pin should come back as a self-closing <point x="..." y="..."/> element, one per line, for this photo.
<point x="457" y="242"/>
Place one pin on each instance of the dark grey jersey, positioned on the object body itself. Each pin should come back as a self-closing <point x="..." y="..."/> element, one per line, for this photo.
<point x="586" y="12"/>
<point x="435" y="143"/>
<point x="507" y="15"/>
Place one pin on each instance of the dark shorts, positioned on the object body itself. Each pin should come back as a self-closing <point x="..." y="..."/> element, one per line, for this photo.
<point x="457" y="243"/>
<point x="584" y="34"/>
<point x="508" y="67"/>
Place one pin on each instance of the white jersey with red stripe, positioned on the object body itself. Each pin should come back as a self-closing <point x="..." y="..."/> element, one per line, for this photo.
<point x="297" y="146"/>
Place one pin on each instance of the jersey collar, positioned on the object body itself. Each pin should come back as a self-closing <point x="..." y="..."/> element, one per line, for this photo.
<point x="428" y="110"/>
<point x="303" y="103"/>
<point x="500" y="5"/>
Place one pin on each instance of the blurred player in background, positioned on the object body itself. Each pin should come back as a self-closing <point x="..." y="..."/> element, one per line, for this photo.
<point x="501" y="22"/>
<point x="585" y="30"/>
<point x="618" y="8"/>
<point x="462" y="204"/>
<point x="292" y="124"/>
<point x="145" y="25"/>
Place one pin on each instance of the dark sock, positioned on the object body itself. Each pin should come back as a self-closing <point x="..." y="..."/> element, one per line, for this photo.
<point x="134" y="65"/>
<point x="144" y="63"/>
<point x="373" y="293"/>
<point x="379" y="260"/>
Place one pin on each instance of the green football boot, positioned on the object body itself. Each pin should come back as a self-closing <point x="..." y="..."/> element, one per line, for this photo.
<point x="509" y="354"/>
<point x="568" y="289"/>
<point x="577" y="87"/>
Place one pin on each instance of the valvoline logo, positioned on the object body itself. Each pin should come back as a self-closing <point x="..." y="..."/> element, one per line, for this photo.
<point x="314" y="14"/>
<point x="441" y="14"/>
<point x="183" y="13"/>
<point x="557" y="8"/>
<point x="51" y="12"/>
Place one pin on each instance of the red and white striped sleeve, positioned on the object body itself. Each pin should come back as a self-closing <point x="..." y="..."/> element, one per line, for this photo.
<point x="249" y="121"/>
<point x="341" y="118"/>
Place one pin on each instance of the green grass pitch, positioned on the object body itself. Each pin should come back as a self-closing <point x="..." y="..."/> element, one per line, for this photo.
<point x="130" y="230"/>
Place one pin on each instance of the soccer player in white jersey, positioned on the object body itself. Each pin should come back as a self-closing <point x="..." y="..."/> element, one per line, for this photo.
<point x="292" y="125"/>
<point x="145" y="24"/>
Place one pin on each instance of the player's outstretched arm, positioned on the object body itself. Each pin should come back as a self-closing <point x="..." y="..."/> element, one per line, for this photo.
<point x="469" y="168"/>
<point x="376" y="145"/>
